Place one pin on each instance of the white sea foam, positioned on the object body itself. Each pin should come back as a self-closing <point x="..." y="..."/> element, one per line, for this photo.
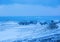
<point x="25" y="31"/>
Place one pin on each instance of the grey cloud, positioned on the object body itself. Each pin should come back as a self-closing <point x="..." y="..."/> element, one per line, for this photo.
<point x="28" y="10"/>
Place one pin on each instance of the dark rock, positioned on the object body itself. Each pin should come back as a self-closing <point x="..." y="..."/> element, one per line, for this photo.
<point x="23" y="23"/>
<point x="43" y="23"/>
<point x="52" y="25"/>
<point x="27" y="23"/>
<point x="33" y="22"/>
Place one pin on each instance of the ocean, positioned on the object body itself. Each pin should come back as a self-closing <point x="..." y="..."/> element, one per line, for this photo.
<point x="11" y="31"/>
<point x="27" y="18"/>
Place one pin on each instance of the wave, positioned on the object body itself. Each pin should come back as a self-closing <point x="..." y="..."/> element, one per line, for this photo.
<point x="51" y="38"/>
<point x="8" y="23"/>
<point x="36" y="32"/>
<point x="31" y="21"/>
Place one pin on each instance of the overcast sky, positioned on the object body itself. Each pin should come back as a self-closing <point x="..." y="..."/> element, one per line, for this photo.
<point x="29" y="7"/>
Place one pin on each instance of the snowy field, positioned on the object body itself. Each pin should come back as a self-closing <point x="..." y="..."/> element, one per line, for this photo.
<point x="11" y="31"/>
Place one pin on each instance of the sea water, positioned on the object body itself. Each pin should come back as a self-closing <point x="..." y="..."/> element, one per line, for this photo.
<point x="28" y="18"/>
<point x="11" y="31"/>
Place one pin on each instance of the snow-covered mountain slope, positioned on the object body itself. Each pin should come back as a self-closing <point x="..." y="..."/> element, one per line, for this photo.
<point x="26" y="32"/>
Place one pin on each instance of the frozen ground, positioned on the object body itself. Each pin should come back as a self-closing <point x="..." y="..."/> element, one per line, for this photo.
<point x="11" y="30"/>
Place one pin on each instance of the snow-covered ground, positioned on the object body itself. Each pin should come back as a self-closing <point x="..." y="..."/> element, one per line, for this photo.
<point x="12" y="31"/>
